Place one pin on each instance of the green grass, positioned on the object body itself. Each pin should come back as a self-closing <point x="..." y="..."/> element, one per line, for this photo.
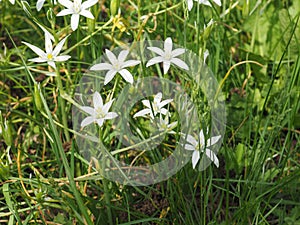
<point x="254" y="54"/>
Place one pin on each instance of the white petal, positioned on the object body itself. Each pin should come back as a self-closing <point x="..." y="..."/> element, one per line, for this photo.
<point x="12" y="1"/>
<point x="146" y="103"/>
<point x="62" y="58"/>
<point x="66" y="3"/>
<point x="97" y="100"/>
<point x="191" y="140"/>
<point x="212" y="156"/>
<point x="163" y="111"/>
<point x="39" y="4"/>
<point x="180" y="63"/>
<point x="156" y="50"/>
<point x="218" y="2"/>
<point x="122" y="56"/>
<point x="88" y="4"/>
<point x="38" y="60"/>
<point x="65" y="12"/>
<point x="107" y="106"/>
<point x="158" y="97"/>
<point x="100" y="121"/>
<point x="177" y="52"/>
<point x="201" y="138"/>
<point x="86" y="121"/>
<point x="130" y="63"/>
<point x="205" y="2"/>
<point x="142" y="113"/>
<point x="87" y="13"/>
<point x="87" y="109"/>
<point x="189" y="147"/>
<point x="52" y="64"/>
<point x="102" y="66"/>
<point x="48" y="44"/>
<point x="213" y="140"/>
<point x="59" y="46"/>
<point x="205" y="55"/>
<point x="109" y="76"/>
<point x="195" y="158"/>
<point x="190" y="4"/>
<point x="168" y="45"/>
<point x="74" y="21"/>
<point x="37" y="50"/>
<point x="111" y="57"/>
<point x="126" y="75"/>
<point x="154" y="60"/>
<point x="165" y="102"/>
<point x="166" y="66"/>
<point x="111" y="115"/>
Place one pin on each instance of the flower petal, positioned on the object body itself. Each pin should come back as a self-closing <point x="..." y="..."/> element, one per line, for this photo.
<point x="154" y="60"/>
<point x="131" y="63"/>
<point x="191" y="139"/>
<point x="110" y="115"/>
<point x="52" y="64"/>
<point x="100" y="121"/>
<point x="165" y="102"/>
<point x="156" y="50"/>
<point x="102" y="66"/>
<point x="107" y="106"/>
<point x="62" y="58"/>
<point x="190" y="4"/>
<point x="201" y="138"/>
<point x="66" y="3"/>
<point x="48" y="43"/>
<point x="38" y="60"/>
<point x="168" y="46"/>
<point x="39" y="4"/>
<point x="109" y="76"/>
<point x="65" y="12"/>
<point x="59" y="46"/>
<point x="166" y="66"/>
<point x="195" y="158"/>
<point x="86" y="121"/>
<point x="97" y="100"/>
<point x="180" y="63"/>
<point x="74" y="21"/>
<point x="218" y="2"/>
<point x="146" y="103"/>
<point x="126" y="75"/>
<point x="142" y="113"/>
<point x="177" y="52"/>
<point x="122" y="56"/>
<point x="111" y="57"/>
<point x="88" y="4"/>
<point x="87" y="13"/>
<point x="213" y="140"/>
<point x="87" y="109"/>
<point x="37" y="50"/>
<point x="158" y="97"/>
<point x="189" y="147"/>
<point x="212" y="156"/>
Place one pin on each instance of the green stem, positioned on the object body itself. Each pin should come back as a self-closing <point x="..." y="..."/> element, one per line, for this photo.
<point x="62" y="104"/>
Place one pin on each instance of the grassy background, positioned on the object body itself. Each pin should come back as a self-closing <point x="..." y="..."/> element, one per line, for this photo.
<point x="43" y="179"/>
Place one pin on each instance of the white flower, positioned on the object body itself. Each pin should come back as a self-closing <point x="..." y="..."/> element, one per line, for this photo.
<point x="155" y="107"/>
<point x="99" y="113"/>
<point x="164" y="124"/>
<point x="205" y="55"/>
<point x="76" y="8"/>
<point x="199" y="146"/>
<point x="116" y="65"/>
<point x="167" y="56"/>
<point x="204" y="2"/>
<point x="50" y="56"/>
<point x="40" y="3"/>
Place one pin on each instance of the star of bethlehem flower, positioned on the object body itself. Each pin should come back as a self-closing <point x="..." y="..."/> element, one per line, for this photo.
<point x="165" y="126"/>
<point x="204" y="2"/>
<point x="99" y="113"/>
<point x="40" y="3"/>
<point x="50" y="55"/>
<point x="116" y="65"/>
<point x="76" y="9"/>
<point x="167" y="56"/>
<point x="155" y="107"/>
<point x="198" y="146"/>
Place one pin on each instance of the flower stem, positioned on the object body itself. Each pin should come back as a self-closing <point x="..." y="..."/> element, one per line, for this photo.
<point x="62" y="104"/>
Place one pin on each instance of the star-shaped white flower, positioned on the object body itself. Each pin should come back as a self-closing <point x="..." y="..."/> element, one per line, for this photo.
<point x="155" y="107"/>
<point x="204" y="2"/>
<point x="167" y="56"/>
<point x="76" y="8"/>
<point x="99" y="113"/>
<point x="116" y="65"/>
<point x="40" y="3"/>
<point x="165" y="126"/>
<point x="199" y="146"/>
<point x="51" y="55"/>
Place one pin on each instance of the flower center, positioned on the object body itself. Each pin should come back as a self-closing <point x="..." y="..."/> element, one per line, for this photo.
<point x="168" y="56"/>
<point x="199" y="147"/>
<point x="99" y="113"/>
<point x="76" y="7"/>
<point x="49" y="56"/>
<point x="117" y="66"/>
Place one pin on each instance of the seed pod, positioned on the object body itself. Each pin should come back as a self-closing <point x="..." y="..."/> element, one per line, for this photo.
<point x="114" y="6"/>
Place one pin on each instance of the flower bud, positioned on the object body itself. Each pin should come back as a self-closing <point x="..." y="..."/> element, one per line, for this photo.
<point x="114" y="6"/>
<point x="37" y="96"/>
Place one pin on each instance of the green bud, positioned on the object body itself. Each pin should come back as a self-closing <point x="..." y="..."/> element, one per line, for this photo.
<point x="114" y="6"/>
<point x="37" y="96"/>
